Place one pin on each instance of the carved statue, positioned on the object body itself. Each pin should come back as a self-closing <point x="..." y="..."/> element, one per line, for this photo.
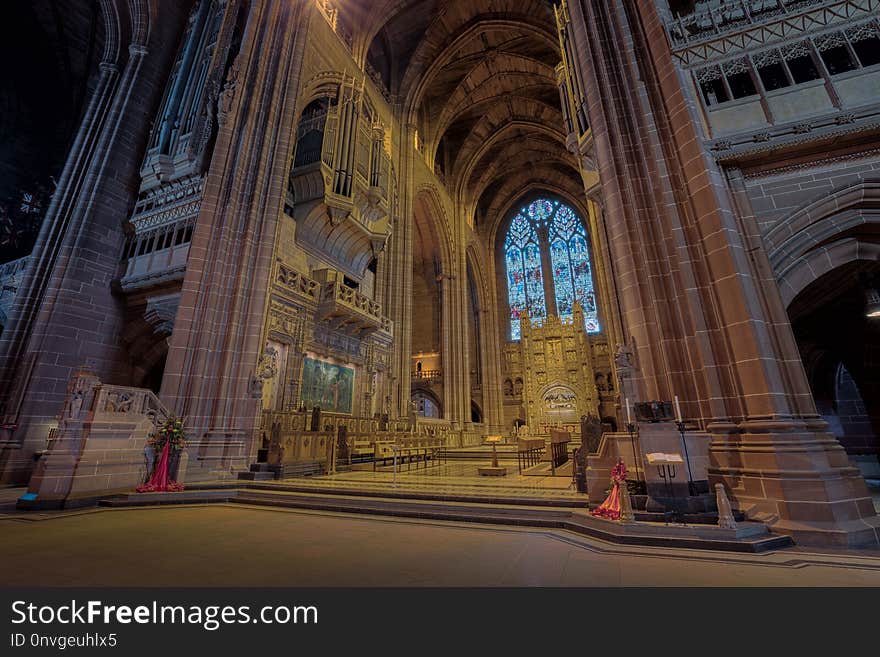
<point x="591" y="432"/>
<point x="79" y="394"/>
<point x="626" y="510"/>
<point x="227" y="95"/>
<point x="623" y="356"/>
<point x="725" y="512"/>
<point x="268" y="365"/>
<point x="124" y="402"/>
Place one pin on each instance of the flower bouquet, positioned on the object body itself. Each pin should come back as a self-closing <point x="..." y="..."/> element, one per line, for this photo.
<point x="169" y="436"/>
<point x="170" y="432"/>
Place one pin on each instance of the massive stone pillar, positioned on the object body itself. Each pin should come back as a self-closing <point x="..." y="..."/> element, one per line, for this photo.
<point x="399" y="283"/>
<point x="66" y="315"/>
<point x="489" y="346"/>
<point x="697" y="301"/>
<point x="220" y="329"/>
<point x="454" y="340"/>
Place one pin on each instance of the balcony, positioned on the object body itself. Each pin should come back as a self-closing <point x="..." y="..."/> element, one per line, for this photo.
<point x="348" y="311"/>
<point x="711" y="18"/>
<point x="157" y="256"/>
<point x="427" y="375"/>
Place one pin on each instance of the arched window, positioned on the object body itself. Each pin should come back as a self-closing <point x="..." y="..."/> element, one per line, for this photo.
<point x="548" y="234"/>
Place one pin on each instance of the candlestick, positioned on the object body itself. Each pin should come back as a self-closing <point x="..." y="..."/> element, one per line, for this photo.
<point x="629" y="419"/>
<point x="677" y="410"/>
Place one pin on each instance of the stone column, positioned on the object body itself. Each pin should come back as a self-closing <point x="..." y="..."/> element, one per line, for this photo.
<point x="454" y="341"/>
<point x="66" y="316"/>
<point x="490" y="346"/>
<point x="696" y="301"/>
<point x="399" y="267"/>
<point x="221" y="321"/>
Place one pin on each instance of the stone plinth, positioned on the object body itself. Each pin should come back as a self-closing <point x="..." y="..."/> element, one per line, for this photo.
<point x="91" y="457"/>
<point x="796" y="477"/>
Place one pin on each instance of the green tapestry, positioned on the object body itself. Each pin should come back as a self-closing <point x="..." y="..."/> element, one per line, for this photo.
<point x="327" y="385"/>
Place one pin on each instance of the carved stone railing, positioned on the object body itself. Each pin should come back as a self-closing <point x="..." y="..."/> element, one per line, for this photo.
<point x="713" y="42"/>
<point x="344" y="307"/>
<point x="430" y="375"/>
<point x="716" y="17"/>
<point x="115" y="400"/>
<point x="100" y="443"/>
<point x="350" y="311"/>
<point x="296" y="283"/>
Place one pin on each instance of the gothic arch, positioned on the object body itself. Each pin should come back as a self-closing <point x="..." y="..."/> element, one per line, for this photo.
<point x="319" y="85"/>
<point x="824" y="234"/>
<point x="822" y="260"/>
<point x="502" y="215"/>
<point x="475" y="260"/>
<point x="430" y="214"/>
<point x="432" y="54"/>
<point x="809" y="224"/>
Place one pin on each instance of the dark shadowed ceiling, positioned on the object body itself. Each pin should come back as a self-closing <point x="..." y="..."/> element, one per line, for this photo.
<point x="50" y="51"/>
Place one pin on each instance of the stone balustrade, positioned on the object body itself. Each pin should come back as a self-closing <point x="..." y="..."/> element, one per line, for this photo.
<point x="350" y="311"/>
<point x="716" y="17"/>
<point x="296" y="283"/>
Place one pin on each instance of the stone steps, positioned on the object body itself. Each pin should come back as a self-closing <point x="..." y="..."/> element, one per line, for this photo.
<point x="748" y="537"/>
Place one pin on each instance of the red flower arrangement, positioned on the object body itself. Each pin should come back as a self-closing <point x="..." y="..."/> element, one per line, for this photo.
<point x="168" y="436"/>
<point x="171" y="432"/>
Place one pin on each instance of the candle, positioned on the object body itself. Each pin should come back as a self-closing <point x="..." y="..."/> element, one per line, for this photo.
<point x="629" y="419"/>
<point x="677" y="410"/>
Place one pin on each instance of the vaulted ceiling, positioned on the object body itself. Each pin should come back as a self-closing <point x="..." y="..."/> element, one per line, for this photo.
<point x="477" y="78"/>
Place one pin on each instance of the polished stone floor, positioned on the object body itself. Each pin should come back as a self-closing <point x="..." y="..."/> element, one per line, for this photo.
<point x="227" y="545"/>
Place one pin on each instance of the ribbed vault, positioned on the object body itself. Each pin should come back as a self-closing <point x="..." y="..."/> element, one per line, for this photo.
<point x="477" y="79"/>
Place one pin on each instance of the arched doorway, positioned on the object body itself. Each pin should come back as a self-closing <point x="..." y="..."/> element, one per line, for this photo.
<point x="840" y="348"/>
<point x="476" y="413"/>
<point x="427" y="404"/>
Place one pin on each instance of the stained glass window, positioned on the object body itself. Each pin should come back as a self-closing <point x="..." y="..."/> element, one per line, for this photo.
<point x="563" y="237"/>
<point x="525" y="281"/>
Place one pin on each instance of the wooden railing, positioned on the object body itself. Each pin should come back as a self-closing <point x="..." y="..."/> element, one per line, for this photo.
<point x="343" y="440"/>
<point x="558" y="449"/>
<point x="528" y="452"/>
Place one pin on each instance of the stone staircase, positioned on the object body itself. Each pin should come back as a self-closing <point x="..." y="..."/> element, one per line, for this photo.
<point x="554" y="514"/>
<point x="99" y="445"/>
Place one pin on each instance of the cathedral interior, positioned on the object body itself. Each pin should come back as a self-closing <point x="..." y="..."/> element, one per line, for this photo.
<point x="376" y="254"/>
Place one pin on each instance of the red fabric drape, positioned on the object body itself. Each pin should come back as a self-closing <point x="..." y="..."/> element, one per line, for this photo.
<point x="160" y="481"/>
<point x="610" y="508"/>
